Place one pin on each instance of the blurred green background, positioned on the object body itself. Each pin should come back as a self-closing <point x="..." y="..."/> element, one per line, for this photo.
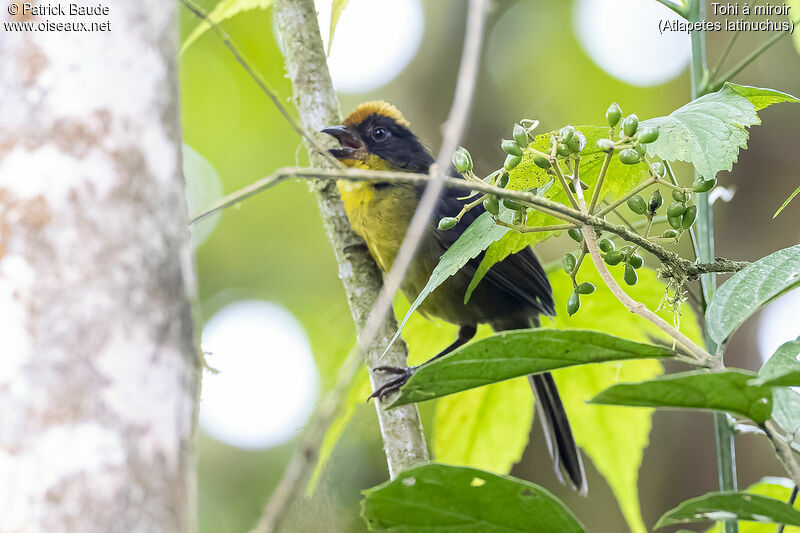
<point x="272" y="248"/>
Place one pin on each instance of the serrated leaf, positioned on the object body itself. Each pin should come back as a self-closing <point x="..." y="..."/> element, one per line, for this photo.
<point x="772" y="487"/>
<point x="435" y="498"/>
<point x="477" y="428"/>
<point x="709" y="131"/>
<point x="730" y="506"/>
<point x="224" y="10"/>
<point x="783" y="368"/>
<point x="511" y="354"/>
<point x="613" y="437"/>
<point x="728" y="390"/>
<point x="784" y="204"/>
<point x="619" y="179"/>
<point x="747" y="290"/>
<point x="336" y="12"/>
<point x="475" y="239"/>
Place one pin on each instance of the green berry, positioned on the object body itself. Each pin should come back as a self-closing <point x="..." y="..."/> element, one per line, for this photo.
<point x="613" y="114"/>
<point x="514" y="206"/>
<point x="566" y="134"/>
<point x="637" y="204"/>
<point x="577" y="142"/>
<point x="520" y="135"/>
<point x="629" y="124"/>
<point x="675" y="221"/>
<point x="586" y="288"/>
<point x="689" y="216"/>
<point x="628" y="157"/>
<point x="569" y="262"/>
<point x="575" y="234"/>
<point x="462" y="160"/>
<point x="492" y="205"/>
<point x="701" y="185"/>
<point x="447" y="223"/>
<point x="640" y="149"/>
<point x="630" y="275"/>
<point x="606" y="245"/>
<point x="563" y="150"/>
<point x="502" y="181"/>
<point x="636" y="261"/>
<point x="512" y="161"/>
<point x="648" y="135"/>
<point x="541" y="162"/>
<point x="511" y="147"/>
<point x="676" y="209"/>
<point x="659" y="169"/>
<point x="669" y="233"/>
<point x="656" y="201"/>
<point x="614" y="257"/>
<point x="678" y="196"/>
<point x="574" y="303"/>
<point x="605" y="145"/>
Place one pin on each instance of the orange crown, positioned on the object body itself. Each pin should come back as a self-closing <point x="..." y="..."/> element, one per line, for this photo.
<point x="376" y="107"/>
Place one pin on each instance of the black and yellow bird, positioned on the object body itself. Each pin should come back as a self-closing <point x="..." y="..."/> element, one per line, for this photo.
<point x="513" y="293"/>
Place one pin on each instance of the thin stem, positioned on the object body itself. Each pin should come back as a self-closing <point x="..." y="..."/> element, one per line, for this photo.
<point x="792" y="498"/>
<point x="727" y="51"/>
<point x="636" y="190"/>
<point x="784" y="451"/>
<point x="600" y="178"/>
<point x="561" y="178"/>
<point x="535" y="229"/>
<point x="752" y="56"/>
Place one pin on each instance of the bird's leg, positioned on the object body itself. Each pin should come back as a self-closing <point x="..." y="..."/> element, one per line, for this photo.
<point x="465" y="333"/>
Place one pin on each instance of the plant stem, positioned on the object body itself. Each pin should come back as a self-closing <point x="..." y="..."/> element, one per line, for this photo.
<point x="725" y="446"/>
<point x="749" y="58"/>
<point x="677" y="8"/>
<point x="636" y="190"/>
<point x="792" y="498"/>
<point x="600" y="178"/>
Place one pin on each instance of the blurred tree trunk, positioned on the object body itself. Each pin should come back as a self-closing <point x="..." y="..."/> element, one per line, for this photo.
<point x="99" y="373"/>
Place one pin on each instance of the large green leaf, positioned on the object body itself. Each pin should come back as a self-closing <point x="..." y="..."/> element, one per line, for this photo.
<point x="786" y="409"/>
<point x="747" y="290"/>
<point x="613" y="437"/>
<point x="512" y="354"/>
<point x="480" y="428"/>
<point x="527" y="175"/>
<point x="728" y="390"/>
<point x="772" y="487"/>
<point x="731" y="506"/>
<point x="435" y="498"/>
<point x="475" y="239"/>
<point x="709" y="131"/>
<point x="224" y="10"/>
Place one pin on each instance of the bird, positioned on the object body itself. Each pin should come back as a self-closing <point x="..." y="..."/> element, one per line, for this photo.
<point x="512" y="295"/>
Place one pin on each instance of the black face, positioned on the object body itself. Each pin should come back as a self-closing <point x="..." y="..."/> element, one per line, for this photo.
<point x="382" y="136"/>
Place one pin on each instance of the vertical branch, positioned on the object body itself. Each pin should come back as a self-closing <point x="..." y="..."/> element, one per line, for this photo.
<point x="100" y="375"/>
<point x="724" y="435"/>
<point x="298" y="31"/>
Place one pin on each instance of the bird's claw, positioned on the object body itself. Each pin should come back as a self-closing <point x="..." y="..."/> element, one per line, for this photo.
<point x="403" y="374"/>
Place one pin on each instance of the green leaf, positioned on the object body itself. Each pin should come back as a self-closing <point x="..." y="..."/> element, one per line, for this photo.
<point x="786" y="409"/>
<point x="791" y="197"/>
<point x="359" y="390"/>
<point x="746" y="291"/>
<point x="511" y="354"/>
<point x="709" y="131"/>
<point x="730" y="506"/>
<point x="613" y="437"/>
<point x="475" y="239"/>
<point x="336" y="12"/>
<point x="436" y="498"/>
<point x="773" y="487"/>
<point x="619" y="179"/>
<point x="728" y="390"/>
<point x="476" y="427"/>
<point x="224" y="10"/>
<point x="782" y="369"/>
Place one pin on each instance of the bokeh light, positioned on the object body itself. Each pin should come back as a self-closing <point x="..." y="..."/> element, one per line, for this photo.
<point x="374" y="41"/>
<point x="623" y="38"/>
<point x="778" y="324"/>
<point x="267" y="382"/>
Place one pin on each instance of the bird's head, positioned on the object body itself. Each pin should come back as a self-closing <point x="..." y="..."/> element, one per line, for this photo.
<point x="377" y="136"/>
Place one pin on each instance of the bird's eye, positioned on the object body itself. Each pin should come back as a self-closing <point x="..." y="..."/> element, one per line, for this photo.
<point x="379" y="134"/>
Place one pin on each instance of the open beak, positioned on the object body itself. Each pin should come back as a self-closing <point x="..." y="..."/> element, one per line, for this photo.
<point x="352" y="146"/>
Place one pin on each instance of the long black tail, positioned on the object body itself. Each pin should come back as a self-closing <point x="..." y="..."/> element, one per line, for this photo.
<point x="560" y="441"/>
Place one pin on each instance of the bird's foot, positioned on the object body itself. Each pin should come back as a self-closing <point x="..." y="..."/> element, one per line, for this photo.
<point x="403" y="374"/>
